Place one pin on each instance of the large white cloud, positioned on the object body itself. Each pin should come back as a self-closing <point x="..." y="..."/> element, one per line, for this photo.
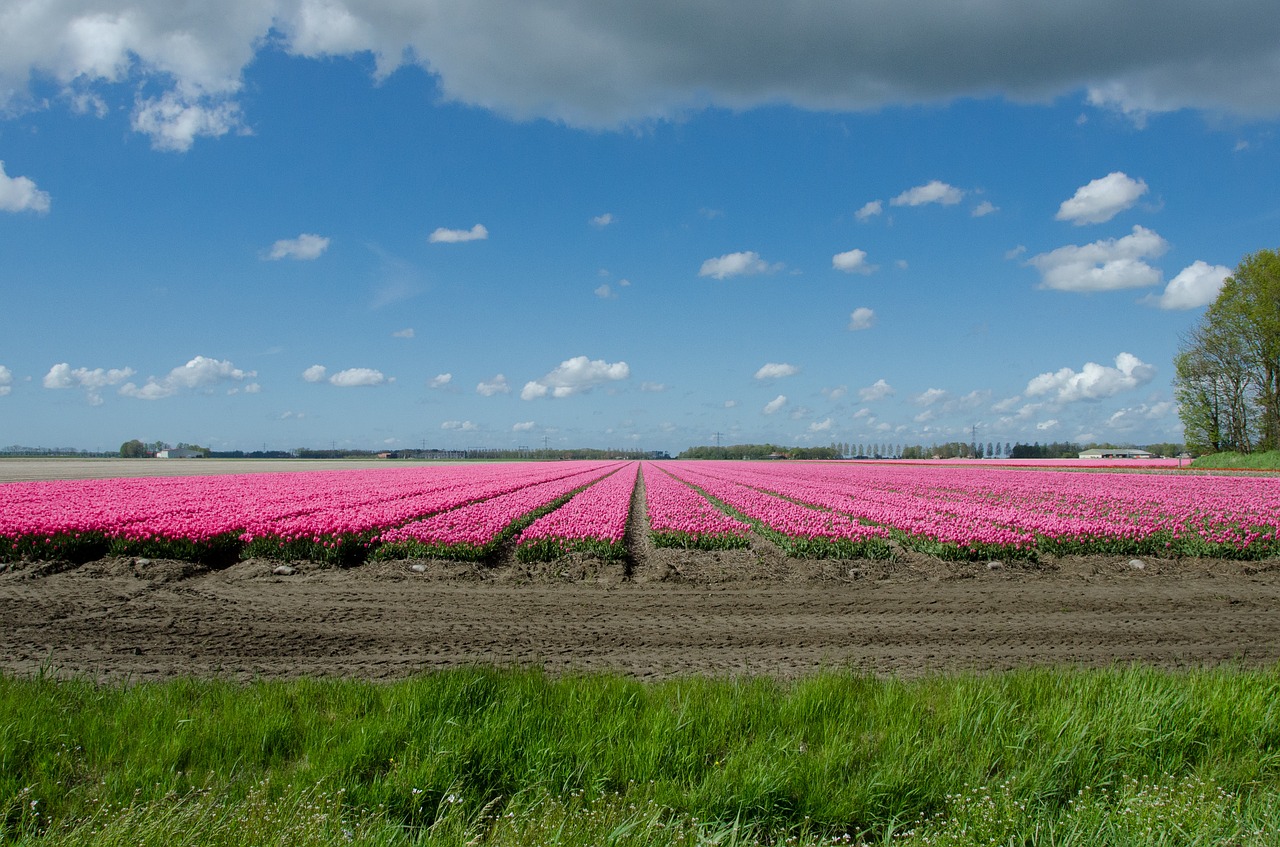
<point x="92" y="380"/>
<point x="497" y="385"/>
<point x="200" y="373"/>
<point x="1102" y="199"/>
<point x="1106" y="265"/>
<point x="878" y="390"/>
<point x="575" y="376"/>
<point x="861" y="318"/>
<point x="19" y="194"/>
<point x="1093" y="381"/>
<point x="776" y="370"/>
<point x="305" y="247"/>
<point x="853" y="262"/>
<point x="1196" y="285"/>
<point x="935" y="191"/>
<point x="746" y="263"/>
<point x="358" y="377"/>
<point x="602" y="63"/>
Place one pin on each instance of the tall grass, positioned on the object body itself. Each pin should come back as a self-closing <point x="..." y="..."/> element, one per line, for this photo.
<point x="1268" y="461"/>
<point x="1063" y="756"/>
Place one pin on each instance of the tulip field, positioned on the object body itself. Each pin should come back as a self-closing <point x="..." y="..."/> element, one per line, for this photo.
<point x="546" y="510"/>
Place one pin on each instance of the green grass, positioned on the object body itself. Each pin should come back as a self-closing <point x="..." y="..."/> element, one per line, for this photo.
<point x="1268" y="461"/>
<point x="1061" y="756"/>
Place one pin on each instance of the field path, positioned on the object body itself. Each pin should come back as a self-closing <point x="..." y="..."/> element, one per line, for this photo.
<point x="123" y="619"/>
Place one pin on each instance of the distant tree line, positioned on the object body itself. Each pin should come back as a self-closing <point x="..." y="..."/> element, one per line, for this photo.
<point x="1227" y="371"/>
<point x="759" y="451"/>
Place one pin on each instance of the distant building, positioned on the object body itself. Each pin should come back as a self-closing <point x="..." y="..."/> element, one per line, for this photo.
<point x="179" y="453"/>
<point x="1116" y="453"/>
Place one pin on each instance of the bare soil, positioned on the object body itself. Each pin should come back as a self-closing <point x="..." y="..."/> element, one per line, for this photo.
<point x="656" y="613"/>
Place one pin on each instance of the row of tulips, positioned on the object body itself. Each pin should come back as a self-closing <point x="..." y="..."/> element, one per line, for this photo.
<point x="975" y="512"/>
<point x="594" y="522"/>
<point x="799" y="529"/>
<point x="473" y="532"/>
<point x="326" y="515"/>
<point x="681" y="517"/>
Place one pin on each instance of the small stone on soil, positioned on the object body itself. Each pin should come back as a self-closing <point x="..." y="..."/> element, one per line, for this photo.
<point x="418" y="568"/>
<point x="995" y="566"/>
<point x="1137" y="564"/>
<point x="283" y="570"/>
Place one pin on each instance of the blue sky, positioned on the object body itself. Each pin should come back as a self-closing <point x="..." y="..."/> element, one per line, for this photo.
<point x="599" y="223"/>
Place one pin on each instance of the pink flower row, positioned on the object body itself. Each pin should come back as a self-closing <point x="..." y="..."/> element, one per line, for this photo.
<point x="599" y="512"/>
<point x="478" y="524"/>
<point x="674" y="507"/>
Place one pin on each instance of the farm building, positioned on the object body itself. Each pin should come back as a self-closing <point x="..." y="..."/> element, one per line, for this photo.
<point x="179" y="453"/>
<point x="1115" y="453"/>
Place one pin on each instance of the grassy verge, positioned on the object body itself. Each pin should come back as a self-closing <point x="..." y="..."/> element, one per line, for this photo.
<point x="1066" y="756"/>
<point x="1269" y="461"/>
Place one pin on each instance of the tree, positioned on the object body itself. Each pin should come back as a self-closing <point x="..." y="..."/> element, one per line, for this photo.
<point x="1227" y="371"/>
<point x="134" y="449"/>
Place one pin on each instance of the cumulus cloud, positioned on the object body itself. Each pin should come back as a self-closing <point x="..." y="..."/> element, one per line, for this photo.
<point x="358" y="377"/>
<point x="497" y="385"/>
<point x="62" y="376"/>
<point x="1196" y="285"/>
<point x="1102" y="199"/>
<point x="821" y="426"/>
<point x="775" y="404"/>
<point x="459" y="426"/>
<point x="930" y="396"/>
<point x="1093" y="381"/>
<point x="986" y="207"/>
<point x="1106" y="265"/>
<point x="861" y="318"/>
<point x="19" y="193"/>
<point x="602" y="221"/>
<point x="934" y="191"/>
<point x="869" y="210"/>
<point x="608" y="63"/>
<point x="852" y="261"/>
<point x="440" y="380"/>
<point x="6" y="380"/>
<point x="575" y="376"/>
<point x="303" y="248"/>
<point x="746" y="263"/>
<point x="776" y="370"/>
<point x="523" y="426"/>
<point x="879" y="390"/>
<point x="315" y="373"/>
<point x="456" y="236"/>
<point x="201" y="373"/>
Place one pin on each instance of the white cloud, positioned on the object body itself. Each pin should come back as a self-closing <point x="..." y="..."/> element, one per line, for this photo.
<point x="776" y="370"/>
<point x="1093" y="381"/>
<point x="747" y="263"/>
<point x="1102" y="199"/>
<point x="62" y="375"/>
<point x="358" y="377"/>
<point x="200" y="372"/>
<point x="935" y="191"/>
<point x="303" y="248"/>
<point x="523" y="426"/>
<point x="653" y="387"/>
<point x="1106" y="265"/>
<point x="930" y="396"/>
<point x="19" y="193"/>
<point x="861" y="318"/>
<point x="821" y="426"/>
<point x="605" y="292"/>
<point x="986" y="207"/>
<point x="459" y="426"/>
<point x="730" y="404"/>
<point x="877" y="391"/>
<point x="835" y="393"/>
<point x="497" y="385"/>
<point x="589" y="64"/>
<point x="869" y="210"/>
<point x="407" y="332"/>
<point x="864" y="412"/>
<point x="440" y="380"/>
<point x="456" y="236"/>
<point x="852" y="261"/>
<point x="775" y="404"/>
<point x="602" y="221"/>
<point x="1196" y="285"/>
<point x="315" y="373"/>
<point x="176" y="119"/>
<point x="1044" y="426"/>
<point x="575" y="376"/>
<point x="6" y="380"/>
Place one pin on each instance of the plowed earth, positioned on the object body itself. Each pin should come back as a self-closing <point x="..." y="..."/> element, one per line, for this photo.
<point x="658" y="613"/>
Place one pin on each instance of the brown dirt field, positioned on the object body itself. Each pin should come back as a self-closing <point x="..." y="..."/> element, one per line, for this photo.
<point x="656" y="614"/>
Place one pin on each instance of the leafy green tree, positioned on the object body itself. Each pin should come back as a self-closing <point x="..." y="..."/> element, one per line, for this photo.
<point x="134" y="449"/>
<point x="1227" y="371"/>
